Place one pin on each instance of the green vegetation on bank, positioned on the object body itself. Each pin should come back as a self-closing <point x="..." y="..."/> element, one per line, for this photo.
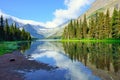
<point x="6" y="47"/>
<point x="10" y="46"/>
<point x="11" y="32"/>
<point x="100" y="27"/>
<point x="92" y="40"/>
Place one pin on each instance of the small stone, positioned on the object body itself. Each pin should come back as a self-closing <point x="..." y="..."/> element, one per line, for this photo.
<point x="11" y="60"/>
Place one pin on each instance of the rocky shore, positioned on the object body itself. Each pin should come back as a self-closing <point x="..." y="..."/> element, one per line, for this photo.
<point x="12" y="62"/>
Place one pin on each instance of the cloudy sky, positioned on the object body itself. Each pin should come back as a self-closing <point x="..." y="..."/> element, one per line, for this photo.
<point x="49" y="13"/>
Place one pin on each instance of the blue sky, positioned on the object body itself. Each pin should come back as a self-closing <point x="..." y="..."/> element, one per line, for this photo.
<point x="38" y="10"/>
<point x="49" y="12"/>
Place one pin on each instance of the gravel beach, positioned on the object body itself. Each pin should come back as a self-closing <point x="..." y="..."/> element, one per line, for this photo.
<point x="9" y="67"/>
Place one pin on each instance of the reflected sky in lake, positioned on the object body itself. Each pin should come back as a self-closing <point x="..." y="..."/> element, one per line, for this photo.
<point x="53" y="53"/>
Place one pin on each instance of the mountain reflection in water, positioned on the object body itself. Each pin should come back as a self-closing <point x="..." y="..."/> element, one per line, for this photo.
<point x="75" y="60"/>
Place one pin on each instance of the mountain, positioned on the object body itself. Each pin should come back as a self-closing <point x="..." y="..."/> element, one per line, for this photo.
<point x="36" y="29"/>
<point x="97" y="6"/>
<point x="58" y="31"/>
<point x="33" y="31"/>
<point x="29" y="25"/>
<point x="101" y="6"/>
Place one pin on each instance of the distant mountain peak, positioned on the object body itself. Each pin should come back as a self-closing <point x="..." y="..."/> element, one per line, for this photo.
<point x="36" y="29"/>
<point x="22" y="21"/>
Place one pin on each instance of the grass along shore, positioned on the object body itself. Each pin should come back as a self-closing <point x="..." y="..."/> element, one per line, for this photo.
<point x="90" y="40"/>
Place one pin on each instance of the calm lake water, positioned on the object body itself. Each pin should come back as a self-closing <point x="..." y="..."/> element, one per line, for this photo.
<point x="75" y="60"/>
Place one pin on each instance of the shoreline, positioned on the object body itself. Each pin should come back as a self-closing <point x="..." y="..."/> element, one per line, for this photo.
<point x="9" y="70"/>
<point x="90" y="40"/>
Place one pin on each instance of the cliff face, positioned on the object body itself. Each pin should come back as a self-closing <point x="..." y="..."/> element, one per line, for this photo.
<point x="102" y="6"/>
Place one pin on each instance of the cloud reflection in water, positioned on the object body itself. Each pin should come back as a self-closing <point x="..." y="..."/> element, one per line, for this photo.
<point x="52" y="53"/>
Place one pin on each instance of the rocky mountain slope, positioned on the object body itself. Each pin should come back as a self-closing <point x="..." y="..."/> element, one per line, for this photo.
<point x="102" y="6"/>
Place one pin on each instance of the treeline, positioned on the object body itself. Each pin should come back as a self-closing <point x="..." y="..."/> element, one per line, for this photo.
<point x="11" y="32"/>
<point x="99" y="26"/>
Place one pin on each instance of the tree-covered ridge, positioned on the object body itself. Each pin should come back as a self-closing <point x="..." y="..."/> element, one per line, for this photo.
<point x="11" y="32"/>
<point x="100" y="26"/>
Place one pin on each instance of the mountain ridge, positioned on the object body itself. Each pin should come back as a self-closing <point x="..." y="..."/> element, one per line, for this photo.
<point x="101" y="6"/>
<point x="36" y="29"/>
<point x="22" y="21"/>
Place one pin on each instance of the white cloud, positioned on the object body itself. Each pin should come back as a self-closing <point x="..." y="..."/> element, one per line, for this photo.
<point x="74" y="8"/>
<point x="72" y="11"/>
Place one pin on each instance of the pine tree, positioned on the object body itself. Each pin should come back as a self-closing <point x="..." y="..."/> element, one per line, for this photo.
<point x="101" y="26"/>
<point x="75" y="29"/>
<point x="63" y="35"/>
<point x="78" y="29"/>
<point x="85" y="27"/>
<point x="1" y="21"/>
<point x="12" y="33"/>
<point x="81" y="30"/>
<point x="6" y="30"/>
<point x="119" y="25"/>
<point x="23" y="34"/>
<point x="1" y="28"/>
<point x="71" y="30"/>
<point x="115" y="24"/>
<point x="108" y="28"/>
<point x="91" y="28"/>
<point x="96" y="26"/>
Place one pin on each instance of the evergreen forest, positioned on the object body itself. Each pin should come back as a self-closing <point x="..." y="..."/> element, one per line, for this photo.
<point x="100" y="26"/>
<point x="11" y="32"/>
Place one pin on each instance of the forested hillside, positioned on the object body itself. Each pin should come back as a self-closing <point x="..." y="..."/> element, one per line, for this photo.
<point x="11" y="32"/>
<point x="99" y="26"/>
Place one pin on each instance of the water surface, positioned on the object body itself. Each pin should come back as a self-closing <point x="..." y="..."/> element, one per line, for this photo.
<point x="75" y="60"/>
<point x="53" y="53"/>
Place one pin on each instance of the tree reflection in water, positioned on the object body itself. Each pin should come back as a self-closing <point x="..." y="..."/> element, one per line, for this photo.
<point x="23" y="46"/>
<point x="105" y="56"/>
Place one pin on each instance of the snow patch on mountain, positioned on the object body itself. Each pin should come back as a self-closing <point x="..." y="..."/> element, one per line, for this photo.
<point x="36" y="29"/>
<point x="21" y="20"/>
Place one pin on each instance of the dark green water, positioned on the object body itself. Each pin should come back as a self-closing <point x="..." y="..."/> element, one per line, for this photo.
<point x="75" y="60"/>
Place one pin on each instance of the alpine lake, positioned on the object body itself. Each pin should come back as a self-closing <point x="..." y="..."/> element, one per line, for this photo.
<point x="75" y="60"/>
